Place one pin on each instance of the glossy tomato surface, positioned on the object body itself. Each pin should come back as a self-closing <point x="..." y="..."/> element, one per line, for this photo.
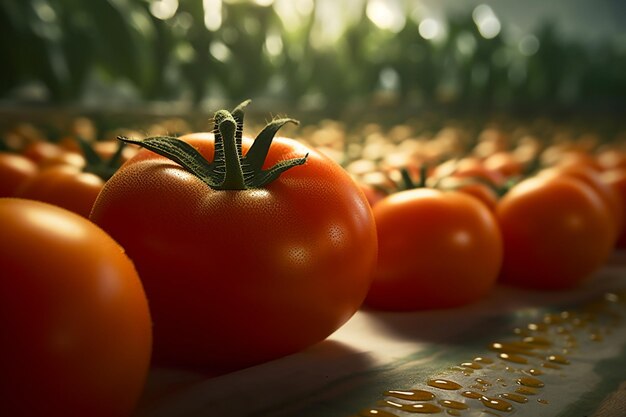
<point x="74" y="321"/>
<point x="557" y="231"/>
<point x="238" y="277"/>
<point x="65" y="186"/>
<point x="436" y="250"/>
<point x="14" y="171"/>
<point x="607" y="193"/>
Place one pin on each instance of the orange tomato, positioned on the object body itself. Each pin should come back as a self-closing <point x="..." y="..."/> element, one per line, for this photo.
<point x="505" y="163"/>
<point x="616" y="178"/>
<point x="239" y="276"/>
<point x="47" y="154"/>
<point x="14" y="171"/>
<point x="436" y="250"/>
<point x="556" y="232"/>
<point x="74" y="320"/>
<point x="591" y="177"/>
<point x="65" y="186"/>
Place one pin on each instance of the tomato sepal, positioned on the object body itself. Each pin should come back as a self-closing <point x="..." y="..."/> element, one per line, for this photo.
<point x="230" y="169"/>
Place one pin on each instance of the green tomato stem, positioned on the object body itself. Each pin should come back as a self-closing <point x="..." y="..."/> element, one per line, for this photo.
<point x="233" y="175"/>
<point x="230" y="170"/>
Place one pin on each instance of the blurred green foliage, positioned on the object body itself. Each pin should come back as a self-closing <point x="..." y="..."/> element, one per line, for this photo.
<point x="64" y="45"/>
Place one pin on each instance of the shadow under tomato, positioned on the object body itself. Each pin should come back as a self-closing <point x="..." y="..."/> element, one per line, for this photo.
<point x="494" y="314"/>
<point x="255" y="390"/>
<point x="505" y="308"/>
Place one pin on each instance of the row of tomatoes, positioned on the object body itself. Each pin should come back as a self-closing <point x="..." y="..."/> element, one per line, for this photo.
<point x="235" y="278"/>
<point x="548" y="230"/>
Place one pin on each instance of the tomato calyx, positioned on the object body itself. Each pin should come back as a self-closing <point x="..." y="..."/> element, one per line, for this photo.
<point x="95" y="164"/>
<point x="408" y="183"/>
<point x="230" y="169"/>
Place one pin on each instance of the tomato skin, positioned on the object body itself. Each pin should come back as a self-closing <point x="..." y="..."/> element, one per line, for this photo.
<point x="239" y="277"/>
<point x="593" y="178"/>
<point x="372" y="194"/>
<point x="468" y="168"/>
<point x="616" y="179"/>
<point x="556" y="232"/>
<point x="436" y="250"/>
<point x="14" y="171"/>
<point x="64" y="186"/>
<point x="479" y="190"/>
<point x="74" y="319"/>
<point x="48" y="154"/>
<point x="504" y="163"/>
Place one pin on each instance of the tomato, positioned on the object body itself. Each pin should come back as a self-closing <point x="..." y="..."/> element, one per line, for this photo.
<point x="65" y="186"/>
<point x="436" y="250"/>
<point x="239" y="276"/>
<point x="372" y="193"/>
<point x="47" y="154"/>
<point x="616" y="178"/>
<point x="556" y="232"/>
<point x="594" y="179"/>
<point x="468" y="168"/>
<point x="14" y="171"/>
<point x="505" y="163"/>
<point x="74" y="321"/>
<point x="477" y="189"/>
<point x="106" y="149"/>
<point x="611" y="158"/>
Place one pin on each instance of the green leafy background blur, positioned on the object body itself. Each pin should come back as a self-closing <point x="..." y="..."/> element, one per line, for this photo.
<point x="530" y="56"/>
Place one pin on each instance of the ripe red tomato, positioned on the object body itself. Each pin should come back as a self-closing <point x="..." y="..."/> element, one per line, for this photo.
<point x="557" y="231"/>
<point x="436" y="250"/>
<point x="468" y="167"/>
<point x="372" y="194"/>
<point x="236" y="277"/>
<point x="505" y="163"/>
<point x="64" y="186"/>
<point x="471" y="186"/>
<point x="616" y="178"/>
<point x="74" y="321"/>
<point x="47" y="154"/>
<point x="593" y="178"/>
<point x="14" y="171"/>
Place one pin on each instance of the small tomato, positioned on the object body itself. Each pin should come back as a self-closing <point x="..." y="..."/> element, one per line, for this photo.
<point x="14" y="171"/>
<point x="436" y="250"/>
<point x="557" y="231"/>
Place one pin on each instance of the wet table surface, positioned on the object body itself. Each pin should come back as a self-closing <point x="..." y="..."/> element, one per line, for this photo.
<point x="517" y="352"/>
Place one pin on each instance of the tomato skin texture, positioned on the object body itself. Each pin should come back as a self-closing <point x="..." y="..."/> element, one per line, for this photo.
<point x="74" y="319"/>
<point x="14" y="171"/>
<point x="616" y="179"/>
<point x="436" y="250"/>
<point x="235" y="278"/>
<point x="556" y="231"/>
<point x="64" y="186"/>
